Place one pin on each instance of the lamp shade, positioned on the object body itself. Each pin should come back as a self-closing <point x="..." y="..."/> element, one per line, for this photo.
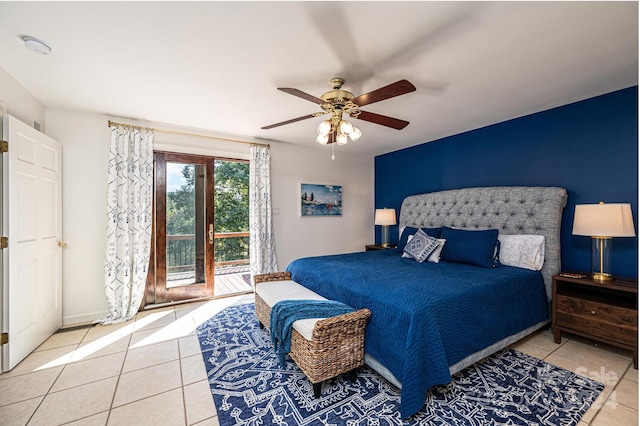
<point x="603" y="220"/>
<point x="324" y="128"/>
<point x="355" y="135"/>
<point x="385" y="217"/>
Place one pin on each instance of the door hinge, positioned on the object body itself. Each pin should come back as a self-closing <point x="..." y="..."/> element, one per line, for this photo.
<point x="4" y="242"/>
<point x="4" y="338"/>
<point x="4" y="146"/>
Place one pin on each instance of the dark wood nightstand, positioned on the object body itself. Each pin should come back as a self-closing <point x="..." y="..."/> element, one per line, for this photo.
<point x="606" y="311"/>
<point x="372" y="247"/>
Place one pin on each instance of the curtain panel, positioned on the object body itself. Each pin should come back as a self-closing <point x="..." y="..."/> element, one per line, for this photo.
<point x="129" y="220"/>
<point x="262" y="252"/>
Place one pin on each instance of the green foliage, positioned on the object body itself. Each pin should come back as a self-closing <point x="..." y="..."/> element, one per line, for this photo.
<point x="231" y="196"/>
<point x="231" y="203"/>
<point x="181" y="205"/>
<point x="231" y="199"/>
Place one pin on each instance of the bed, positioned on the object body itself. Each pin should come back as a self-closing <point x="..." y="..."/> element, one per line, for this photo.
<point x="430" y="320"/>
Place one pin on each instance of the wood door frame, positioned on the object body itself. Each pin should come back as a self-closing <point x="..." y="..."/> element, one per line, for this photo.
<point x="156" y="291"/>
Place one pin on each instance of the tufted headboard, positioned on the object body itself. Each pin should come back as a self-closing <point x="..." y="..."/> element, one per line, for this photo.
<point x="510" y="209"/>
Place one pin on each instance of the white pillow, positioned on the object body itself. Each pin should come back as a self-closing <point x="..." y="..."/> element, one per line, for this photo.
<point x="522" y="251"/>
<point x="435" y="254"/>
<point x="400" y="231"/>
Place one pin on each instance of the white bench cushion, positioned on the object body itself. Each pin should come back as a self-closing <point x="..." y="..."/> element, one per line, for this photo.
<point x="274" y="291"/>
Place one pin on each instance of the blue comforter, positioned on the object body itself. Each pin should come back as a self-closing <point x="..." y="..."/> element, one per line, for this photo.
<point x="426" y="316"/>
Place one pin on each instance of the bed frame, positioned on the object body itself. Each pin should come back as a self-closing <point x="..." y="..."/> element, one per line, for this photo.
<point x="511" y="210"/>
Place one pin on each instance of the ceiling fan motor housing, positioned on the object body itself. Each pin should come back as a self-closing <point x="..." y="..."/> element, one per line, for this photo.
<point x="337" y="98"/>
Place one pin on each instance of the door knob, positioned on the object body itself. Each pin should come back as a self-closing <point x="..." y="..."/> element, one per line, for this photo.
<point x="62" y="244"/>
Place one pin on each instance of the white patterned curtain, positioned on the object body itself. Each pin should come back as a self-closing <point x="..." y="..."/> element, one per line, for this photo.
<point x="129" y="210"/>
<point x="262" y="252"/>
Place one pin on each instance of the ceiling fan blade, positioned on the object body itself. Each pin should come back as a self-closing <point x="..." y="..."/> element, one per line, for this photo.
<point x="383" y="120"/>
<point x="301" y="94"/>
<point x="398" y="88"/>
<point x="293" y="120"/>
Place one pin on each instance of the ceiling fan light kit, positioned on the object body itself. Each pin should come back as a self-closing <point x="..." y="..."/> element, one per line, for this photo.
<point x="346" y="127"/>
<point x="324" y="127"/>
<point x="341" y="130"/>
<point x="338" y="102"/>
<point x="323" y="139"/>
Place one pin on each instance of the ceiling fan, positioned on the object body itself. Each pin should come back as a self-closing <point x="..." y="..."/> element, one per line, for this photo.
<point x="338" y="102"/>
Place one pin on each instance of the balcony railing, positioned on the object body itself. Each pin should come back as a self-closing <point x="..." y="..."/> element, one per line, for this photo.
<point x="230" y="248"/>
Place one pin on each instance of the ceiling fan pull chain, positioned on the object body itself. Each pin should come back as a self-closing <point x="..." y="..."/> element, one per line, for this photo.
<point x="333" y="157"/>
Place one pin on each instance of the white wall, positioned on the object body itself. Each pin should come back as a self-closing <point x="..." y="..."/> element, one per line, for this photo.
<point x="85" y="151"/>
<point x="296" y="236"/>
<point x="85" y="140"/>
<point x="19" y="102"/>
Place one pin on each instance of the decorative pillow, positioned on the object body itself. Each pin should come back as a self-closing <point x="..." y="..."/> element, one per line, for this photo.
<point x="434" y="256"/>
<point x="522" y="251"/>
<point x="406" y="231"/>
<point x="473" y="247"/>
<point x="404" y="253"/>
<point x="421" y="246"/>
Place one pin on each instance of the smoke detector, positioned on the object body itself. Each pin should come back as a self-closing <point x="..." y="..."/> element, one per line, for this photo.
<point x="37" y="45"/>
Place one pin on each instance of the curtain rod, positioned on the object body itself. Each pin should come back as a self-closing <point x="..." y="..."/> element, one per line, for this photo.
<point x="174" y="132"/>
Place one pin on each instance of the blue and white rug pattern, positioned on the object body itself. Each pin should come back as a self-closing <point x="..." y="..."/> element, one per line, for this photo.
<point x="249" y="388"/>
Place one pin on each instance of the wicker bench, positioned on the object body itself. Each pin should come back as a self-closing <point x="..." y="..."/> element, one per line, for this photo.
<point x="322" y="348"/>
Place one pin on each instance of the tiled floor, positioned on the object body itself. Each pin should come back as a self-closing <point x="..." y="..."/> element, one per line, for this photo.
<point x="618" y="403"/>
<point x="150" y="372"/>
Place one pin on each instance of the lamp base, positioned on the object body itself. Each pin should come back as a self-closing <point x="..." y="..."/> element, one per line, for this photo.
<point x="385" y="236"/>
<point x="602" y="277"/>
<point x="601" y="258"/>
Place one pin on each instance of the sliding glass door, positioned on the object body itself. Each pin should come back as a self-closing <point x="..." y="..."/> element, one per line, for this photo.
<point x="200" y="244"/>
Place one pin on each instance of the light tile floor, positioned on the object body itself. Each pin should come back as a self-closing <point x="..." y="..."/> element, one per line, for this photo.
<point x="150" y="372"/>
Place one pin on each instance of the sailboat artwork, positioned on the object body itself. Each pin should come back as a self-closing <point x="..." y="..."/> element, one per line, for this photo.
<point x="320" y="200"/>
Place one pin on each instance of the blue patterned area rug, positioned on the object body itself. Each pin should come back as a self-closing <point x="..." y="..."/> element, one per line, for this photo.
<point x="249" y="388"/>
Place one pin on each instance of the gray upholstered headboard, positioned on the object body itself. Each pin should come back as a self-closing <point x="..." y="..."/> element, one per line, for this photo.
<point x="510" y="209"/>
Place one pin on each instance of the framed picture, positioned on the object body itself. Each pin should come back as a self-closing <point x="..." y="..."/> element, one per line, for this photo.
<point x="320" y="200"/>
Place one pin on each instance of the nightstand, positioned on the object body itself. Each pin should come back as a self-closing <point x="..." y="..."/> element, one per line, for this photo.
<point x="606" y="311"/>
<point x="372" y="247"/>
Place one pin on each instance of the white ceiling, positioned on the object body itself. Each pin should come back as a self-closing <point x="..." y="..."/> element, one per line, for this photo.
<point x="216" y="65"/>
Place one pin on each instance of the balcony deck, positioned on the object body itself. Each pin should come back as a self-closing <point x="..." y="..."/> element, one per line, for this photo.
<point x="228" y="280"/>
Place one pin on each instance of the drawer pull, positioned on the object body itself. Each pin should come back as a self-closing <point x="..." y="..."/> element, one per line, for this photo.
<point x="593" y="312"/>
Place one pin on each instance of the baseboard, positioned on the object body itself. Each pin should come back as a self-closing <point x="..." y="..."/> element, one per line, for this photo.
<point x="82" y="319"/>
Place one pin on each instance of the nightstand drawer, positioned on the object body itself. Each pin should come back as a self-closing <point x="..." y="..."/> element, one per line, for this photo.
<point x="600" y="319"/>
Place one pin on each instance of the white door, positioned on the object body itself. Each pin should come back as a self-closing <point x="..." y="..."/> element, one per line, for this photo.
<point x="32" y="221"/>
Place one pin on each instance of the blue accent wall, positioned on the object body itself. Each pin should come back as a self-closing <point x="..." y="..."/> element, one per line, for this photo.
<point x="590" y="148"/>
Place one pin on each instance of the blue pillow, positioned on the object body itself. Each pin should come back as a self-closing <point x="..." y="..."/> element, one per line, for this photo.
<point x="408" y="230"/>
<point x="473" y="247"/>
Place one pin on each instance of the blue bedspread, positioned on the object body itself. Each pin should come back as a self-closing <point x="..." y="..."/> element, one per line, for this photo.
<point x="426" y="316"/>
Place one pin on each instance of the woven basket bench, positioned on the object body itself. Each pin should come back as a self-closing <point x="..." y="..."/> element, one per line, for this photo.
<point x="322" y="348"/>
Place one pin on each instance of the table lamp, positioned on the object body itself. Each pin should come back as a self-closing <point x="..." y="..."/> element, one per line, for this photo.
<point x="602" y="222"/>
<point x="385" y="217"/>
